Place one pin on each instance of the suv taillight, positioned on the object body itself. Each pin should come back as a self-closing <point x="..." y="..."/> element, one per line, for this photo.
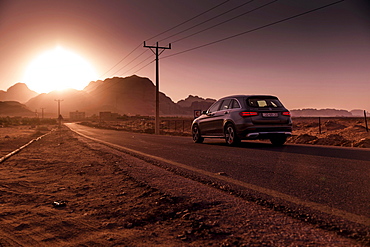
<point x="286" y="113"/>
<point x="248" y="113"/>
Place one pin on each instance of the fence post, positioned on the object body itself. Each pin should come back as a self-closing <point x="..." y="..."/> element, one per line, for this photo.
<point x="367" y="127"/>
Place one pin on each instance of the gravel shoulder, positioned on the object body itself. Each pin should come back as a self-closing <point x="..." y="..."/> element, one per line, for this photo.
<point x="64" y="190"/>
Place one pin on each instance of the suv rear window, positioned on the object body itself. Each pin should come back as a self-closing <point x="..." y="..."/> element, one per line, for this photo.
<point x="264" y="102"/>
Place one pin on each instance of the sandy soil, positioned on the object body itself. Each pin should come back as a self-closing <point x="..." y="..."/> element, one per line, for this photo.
<point x="346" y="132"/>
<point x="66" y="191"/>
<point x="12" y="138"/>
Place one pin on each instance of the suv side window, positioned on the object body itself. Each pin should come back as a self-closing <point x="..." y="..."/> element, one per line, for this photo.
<point x="214" y="107"/>
<point x="234" y="104"/>
<point x="225" y="104"/>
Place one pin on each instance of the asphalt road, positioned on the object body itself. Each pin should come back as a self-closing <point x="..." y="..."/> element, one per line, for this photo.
<point x="331" y="179"/>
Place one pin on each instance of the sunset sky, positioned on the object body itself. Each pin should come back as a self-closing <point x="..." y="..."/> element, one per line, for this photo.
<point x="318" y="60"/>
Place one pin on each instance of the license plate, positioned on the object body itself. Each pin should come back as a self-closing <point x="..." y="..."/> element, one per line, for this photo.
<point x="269" y="114"/>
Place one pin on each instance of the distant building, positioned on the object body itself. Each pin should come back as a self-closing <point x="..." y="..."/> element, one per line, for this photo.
<point x="108" y="116"/>
<point x="75" y="116"/>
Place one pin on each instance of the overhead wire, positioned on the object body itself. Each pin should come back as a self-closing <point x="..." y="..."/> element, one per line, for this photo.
<point x="216" y="25"/>
<point x="223" y="13"/>
<point x="254" y="29"/>
<point x="120" y="61"/>
<point x="176" y="26"/>
<point x="210" y="19"/>
<point x="213" y="42"/>
<point x="226" y="38"/>
<point x="142" y="53"/>
<point x="137" y="64"/>
<point x="186" y="21"/>
<point x="144" y="66"/>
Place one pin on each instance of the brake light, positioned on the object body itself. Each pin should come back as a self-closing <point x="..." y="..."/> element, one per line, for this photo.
<point x="286" y="113"/>
<point x="248" y="113"/>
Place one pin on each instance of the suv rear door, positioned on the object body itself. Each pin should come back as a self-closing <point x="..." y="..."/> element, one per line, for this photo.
<point x="269" y="110"/>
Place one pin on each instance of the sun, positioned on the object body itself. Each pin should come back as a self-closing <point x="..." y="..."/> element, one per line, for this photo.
<point x="58" y="69"/>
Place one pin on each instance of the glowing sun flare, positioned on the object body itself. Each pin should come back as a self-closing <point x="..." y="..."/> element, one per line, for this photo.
<point x="58" y="69"/>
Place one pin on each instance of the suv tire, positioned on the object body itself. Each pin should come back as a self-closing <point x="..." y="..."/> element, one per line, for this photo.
<point x="197" y="138"/>
<point x="231" y="137"/>
<point x="278" y="140"/>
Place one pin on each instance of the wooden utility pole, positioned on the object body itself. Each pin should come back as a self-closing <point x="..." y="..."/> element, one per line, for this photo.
<point x="42" y="113"/>
<point x="59" y="115"/>
<point x="366" y="126"/>
<point x="155" y="50"/>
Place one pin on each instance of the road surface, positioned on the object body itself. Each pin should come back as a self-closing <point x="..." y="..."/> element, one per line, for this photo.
<point x="332" y="180"/>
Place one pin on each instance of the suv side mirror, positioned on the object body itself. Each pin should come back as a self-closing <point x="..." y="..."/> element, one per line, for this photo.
<point x="204" y="112"/>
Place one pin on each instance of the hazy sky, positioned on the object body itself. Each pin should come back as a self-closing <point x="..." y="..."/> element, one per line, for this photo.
<point x="318" y="60"/>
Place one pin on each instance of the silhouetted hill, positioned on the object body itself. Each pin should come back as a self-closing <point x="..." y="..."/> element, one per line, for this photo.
<point x="134" y="95"/>
<point x="18" y="92"/>
<point x="72" y="100"/>
<point x="192" y="99"/>
<point x="359" y="113"/>
<point x="92" y="86"/>
<point x="131" y="95"/>
<point x="320" y="113"/>
<point x="14" y="108"/>
<point x="192" y="103"/>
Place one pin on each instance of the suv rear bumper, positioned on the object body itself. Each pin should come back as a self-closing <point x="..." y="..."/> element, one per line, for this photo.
<point x="267" y="135"/>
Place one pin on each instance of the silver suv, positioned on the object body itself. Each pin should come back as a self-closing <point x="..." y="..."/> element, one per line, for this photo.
<point x="242" y="117"/>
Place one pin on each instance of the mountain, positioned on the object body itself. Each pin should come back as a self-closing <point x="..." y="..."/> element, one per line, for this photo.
<point x="359" y="113"/>
<point x="14" y="108"/>
<point x="18" y="92"/>
<point x="191" y="100"/>
<point x="132" y="95"/>
<point x="71" y="100"/>
<point x="92" y="86"/>
<point x="193" y="103"/>
<point x="320" y="113"/>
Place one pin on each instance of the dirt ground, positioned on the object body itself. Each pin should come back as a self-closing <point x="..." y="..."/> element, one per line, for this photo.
<point x="66" y="191"/>
<point x="345" y="132"/>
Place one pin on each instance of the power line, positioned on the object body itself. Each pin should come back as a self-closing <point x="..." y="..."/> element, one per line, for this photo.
<point x="254" y="29"/>
<point x="130" y="61"/>
<point x="138" y="64"/>
<point x="144" y="66"/>
<point x="248" y="12"/>
<point x="182" y="23"/>
<point x="120" y="61"/>
<point x="239" y="6"/>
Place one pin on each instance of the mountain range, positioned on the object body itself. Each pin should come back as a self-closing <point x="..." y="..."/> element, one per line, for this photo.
<point x="131" y="95"/>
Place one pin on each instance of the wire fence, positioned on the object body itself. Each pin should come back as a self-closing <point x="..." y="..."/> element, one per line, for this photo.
<point x="172" y="126"/>
<point x="182" y="126"/>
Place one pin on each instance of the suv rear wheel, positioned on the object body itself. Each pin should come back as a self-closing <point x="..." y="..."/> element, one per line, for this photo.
<point x="231" y="137"/>
<point x="278" y="140"/>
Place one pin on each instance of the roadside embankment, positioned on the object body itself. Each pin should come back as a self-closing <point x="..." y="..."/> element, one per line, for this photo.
<point x="64" y="190"/>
